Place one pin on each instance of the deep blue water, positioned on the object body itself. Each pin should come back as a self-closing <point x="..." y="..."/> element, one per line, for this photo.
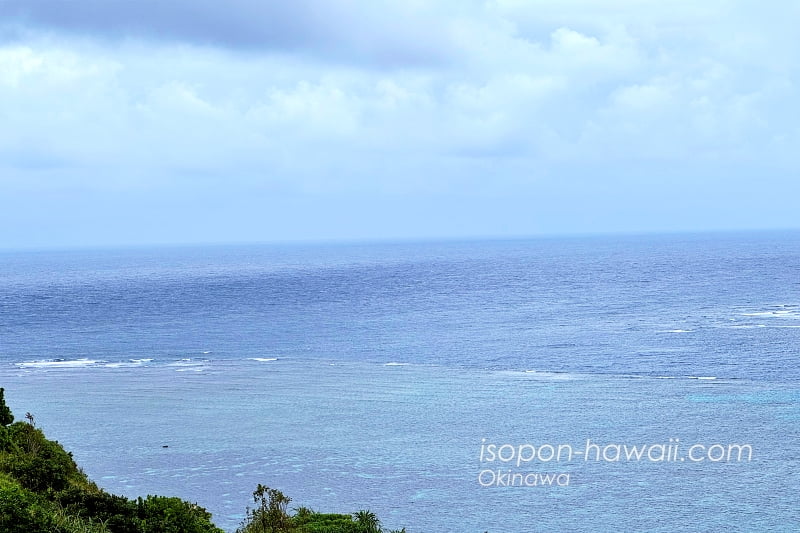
<point x="366" y="376"/>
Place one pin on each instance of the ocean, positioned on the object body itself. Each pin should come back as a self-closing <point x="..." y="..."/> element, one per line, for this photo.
<point x="626" y="383"/>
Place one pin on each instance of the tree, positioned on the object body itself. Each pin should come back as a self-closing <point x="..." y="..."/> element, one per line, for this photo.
<point x="162" y="514"/>
<point x="270" y="515"/>
<point x="6" y="417"/>
<point x="367" y="521"/>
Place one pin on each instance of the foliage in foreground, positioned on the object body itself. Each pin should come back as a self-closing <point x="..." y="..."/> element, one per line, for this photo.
<point x="42" y="490"/>
<point x="270" y="516"/>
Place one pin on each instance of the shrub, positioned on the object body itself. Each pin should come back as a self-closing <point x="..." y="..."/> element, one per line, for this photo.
<point x="119" y="514"/>
<point x="160" y="514"/>
<point x="22" y="511"/>
<point x="37" y="463"/>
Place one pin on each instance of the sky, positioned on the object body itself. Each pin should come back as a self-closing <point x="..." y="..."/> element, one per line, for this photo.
<point x="199" y="121"/>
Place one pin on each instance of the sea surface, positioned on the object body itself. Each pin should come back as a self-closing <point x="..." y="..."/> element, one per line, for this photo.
<point x="432" y="383"/>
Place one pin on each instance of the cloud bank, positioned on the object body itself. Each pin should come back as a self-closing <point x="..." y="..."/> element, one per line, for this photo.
<point x="307" y="120"/>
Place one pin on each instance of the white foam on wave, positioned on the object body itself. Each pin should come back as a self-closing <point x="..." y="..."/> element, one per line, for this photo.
<point x="59" y="363"/>
<point x="678" y="331"/>
<point x="395" y="364"/>
<point x="703" y="378"/>
<point x="784" y="311"/>
<point x="700" y="378"/>
<point x="188" y="362"/>
<point x="550" y="375"/>
<point x="263" y="359"/>
<point x="565" y="376"/>
<point x="128" y="364"/>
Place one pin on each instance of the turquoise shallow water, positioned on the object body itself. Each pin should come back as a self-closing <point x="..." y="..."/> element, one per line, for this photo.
<point x="405" y="442"/>
<point x="369" y="377"/>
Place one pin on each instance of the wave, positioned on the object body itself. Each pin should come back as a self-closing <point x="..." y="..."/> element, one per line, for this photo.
<point x="781" y="313"/>
<point x="197" y="364"/>
<point x="541" y="374"/>
<point x="129" y="363"/>
<point x="189" y="362"/>
<point x="777" y="311"/>
<point x="551" y="375"/>
<point x="59" y="363"/>
<point x="85" y="362"/>
<point x="667" y="376"/>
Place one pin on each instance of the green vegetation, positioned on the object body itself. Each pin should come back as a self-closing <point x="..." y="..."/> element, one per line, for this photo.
<point x="42" y="490"/>
<point x="270" y="516"/>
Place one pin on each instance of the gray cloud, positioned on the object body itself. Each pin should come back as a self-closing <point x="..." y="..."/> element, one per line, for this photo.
<point x="555" y="107"/>
<point x="378" y="33"/>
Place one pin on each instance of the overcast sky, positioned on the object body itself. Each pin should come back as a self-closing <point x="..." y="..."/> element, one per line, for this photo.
<point x="190" y="121"/>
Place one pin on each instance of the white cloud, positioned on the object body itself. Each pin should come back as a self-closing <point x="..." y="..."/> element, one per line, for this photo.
<point x="512" y="90"/>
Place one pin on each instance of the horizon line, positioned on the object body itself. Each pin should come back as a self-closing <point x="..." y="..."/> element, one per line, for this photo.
<point x="373" y="241"/>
